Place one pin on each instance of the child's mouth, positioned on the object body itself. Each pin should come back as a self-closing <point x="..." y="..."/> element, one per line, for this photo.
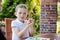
<point x="22" y="17"/>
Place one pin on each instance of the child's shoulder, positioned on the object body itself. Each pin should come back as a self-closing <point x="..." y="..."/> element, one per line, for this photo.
<point x="14" y="21"/>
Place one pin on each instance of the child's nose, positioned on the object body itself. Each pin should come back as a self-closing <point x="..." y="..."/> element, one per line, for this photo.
<point x="22" y="14"/>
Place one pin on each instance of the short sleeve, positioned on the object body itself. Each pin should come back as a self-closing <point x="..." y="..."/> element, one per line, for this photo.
<point x="14" y="24"/>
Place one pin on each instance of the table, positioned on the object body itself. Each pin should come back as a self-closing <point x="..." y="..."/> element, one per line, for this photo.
<point x="48" y="36"/>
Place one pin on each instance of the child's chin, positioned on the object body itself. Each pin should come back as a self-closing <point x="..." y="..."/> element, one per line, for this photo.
<point x="22" y="19"/>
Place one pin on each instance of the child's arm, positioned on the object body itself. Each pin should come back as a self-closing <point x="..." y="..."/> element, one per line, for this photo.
<point x="18" y="32"/>
<point x="29" y="26"/>
<point x="31" y="29"/>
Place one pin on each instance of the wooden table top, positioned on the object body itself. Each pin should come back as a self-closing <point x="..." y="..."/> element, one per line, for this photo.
<point x="52" y="36"/>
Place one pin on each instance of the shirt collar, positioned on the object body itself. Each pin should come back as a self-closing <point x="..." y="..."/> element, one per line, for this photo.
<point x="20" y="21"/>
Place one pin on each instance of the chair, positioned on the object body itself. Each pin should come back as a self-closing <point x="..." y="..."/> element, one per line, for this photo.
<point x="8" y="31"/>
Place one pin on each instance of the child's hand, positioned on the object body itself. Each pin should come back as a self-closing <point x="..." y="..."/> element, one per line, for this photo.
<point x="30" y="22"/>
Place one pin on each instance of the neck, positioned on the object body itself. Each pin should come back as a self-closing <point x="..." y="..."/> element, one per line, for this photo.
<point x="22" y="21"/>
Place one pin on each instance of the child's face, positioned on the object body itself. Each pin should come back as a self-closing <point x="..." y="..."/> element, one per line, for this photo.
<point x="21" y="14"/>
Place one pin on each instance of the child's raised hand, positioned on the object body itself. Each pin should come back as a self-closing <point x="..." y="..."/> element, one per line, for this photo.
<point x="30" y="22"/>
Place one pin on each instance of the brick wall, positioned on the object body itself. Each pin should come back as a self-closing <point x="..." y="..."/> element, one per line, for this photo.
<point x="48" y="16"/>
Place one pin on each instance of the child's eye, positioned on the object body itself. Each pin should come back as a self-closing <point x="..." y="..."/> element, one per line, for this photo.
<point x="19" y="12"/>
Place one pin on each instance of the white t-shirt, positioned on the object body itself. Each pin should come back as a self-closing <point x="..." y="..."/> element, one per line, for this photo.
<point x="21" y="26"/>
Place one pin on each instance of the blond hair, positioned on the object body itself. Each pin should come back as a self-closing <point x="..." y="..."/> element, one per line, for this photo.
<point x="21" y="6"/>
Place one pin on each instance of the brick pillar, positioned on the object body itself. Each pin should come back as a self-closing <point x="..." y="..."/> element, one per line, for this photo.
<point x="48" y="16"/>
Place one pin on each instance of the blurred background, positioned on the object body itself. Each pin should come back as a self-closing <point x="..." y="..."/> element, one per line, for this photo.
<point x="7" y="9"/>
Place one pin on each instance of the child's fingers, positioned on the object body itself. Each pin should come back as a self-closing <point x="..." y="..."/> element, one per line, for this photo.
<point x="30" y="21"/>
